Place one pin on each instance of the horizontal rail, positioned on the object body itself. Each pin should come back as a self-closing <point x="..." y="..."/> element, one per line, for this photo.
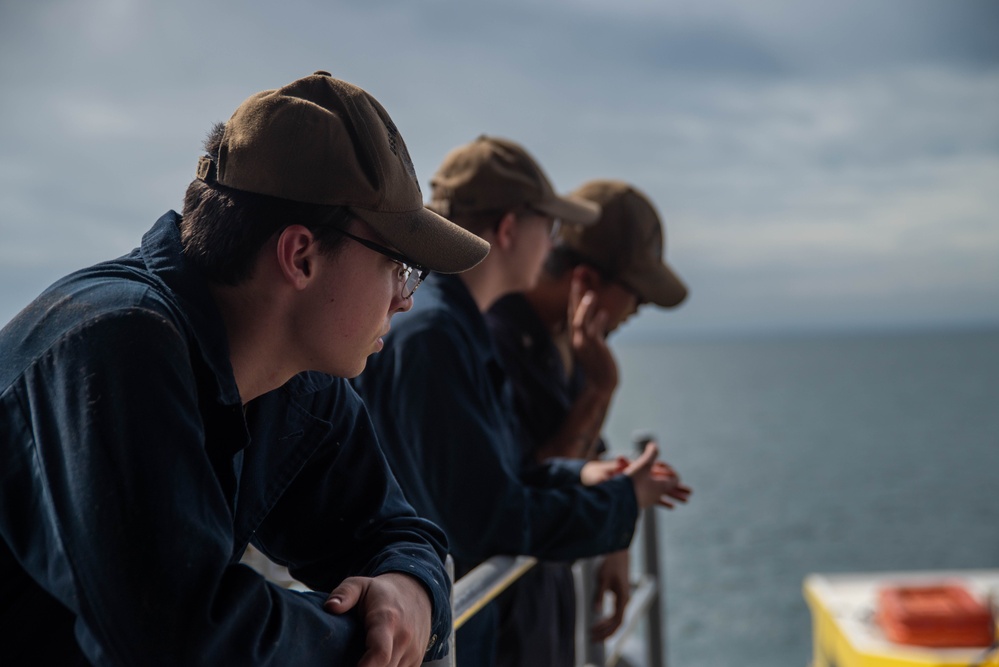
<point x="644" y="595"/>
<point x="483" y="583"/>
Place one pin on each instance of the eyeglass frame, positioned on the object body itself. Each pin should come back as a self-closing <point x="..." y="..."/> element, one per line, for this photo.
<point x="556" y="221"/>
<point x="407" y="264"/>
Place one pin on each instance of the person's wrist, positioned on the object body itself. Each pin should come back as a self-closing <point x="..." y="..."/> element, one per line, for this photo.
<point x="639" y="490"/>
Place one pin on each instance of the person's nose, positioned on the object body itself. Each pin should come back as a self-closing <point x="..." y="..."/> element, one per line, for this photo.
<point x="403" y="304"/>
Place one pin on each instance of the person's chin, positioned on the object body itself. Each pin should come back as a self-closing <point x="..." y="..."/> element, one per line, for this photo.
<point x="351" y="368"/>
<point x="354" y="372"/>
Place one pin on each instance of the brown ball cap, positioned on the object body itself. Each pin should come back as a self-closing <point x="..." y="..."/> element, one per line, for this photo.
<point x="626" y="242"/>
<point x="320" y="140"/>
<point x="497" y="175"/>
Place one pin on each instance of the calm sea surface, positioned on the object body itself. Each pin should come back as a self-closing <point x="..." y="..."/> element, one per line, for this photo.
<point x="839" y="454"/>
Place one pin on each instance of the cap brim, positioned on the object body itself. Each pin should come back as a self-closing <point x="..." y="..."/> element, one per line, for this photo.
<point x="429" y="240"/>
<point x="657" y="284"/>
<point x="570" y="210"/>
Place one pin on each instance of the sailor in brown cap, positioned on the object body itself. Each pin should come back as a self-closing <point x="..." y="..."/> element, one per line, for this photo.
<point x="439" y="404"/>
<point x="551" y="342"/>
<point x="161" y="411"/>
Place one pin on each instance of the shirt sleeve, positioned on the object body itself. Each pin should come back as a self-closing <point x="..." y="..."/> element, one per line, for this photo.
<point x="554" y="472"/>
<point x="351" y="516"/>
<point x="122" y="519"/>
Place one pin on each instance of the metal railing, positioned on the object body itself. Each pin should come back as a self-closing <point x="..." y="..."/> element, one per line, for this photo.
<point x="482" y="584"/>
<point x="486" y="581"/>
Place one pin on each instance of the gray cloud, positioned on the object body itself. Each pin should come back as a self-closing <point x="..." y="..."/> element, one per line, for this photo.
<point x="816" y="165"/>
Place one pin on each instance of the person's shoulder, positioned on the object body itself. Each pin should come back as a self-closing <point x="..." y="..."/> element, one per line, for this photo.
<point x="116" y="285"/>
<point x="88" y="311"/>
<point x="110" y="293"/>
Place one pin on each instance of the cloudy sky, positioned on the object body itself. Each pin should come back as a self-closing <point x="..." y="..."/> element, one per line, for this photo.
<point x="818" y="165"/>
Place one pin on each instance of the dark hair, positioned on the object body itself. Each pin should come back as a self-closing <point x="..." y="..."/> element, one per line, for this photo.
<point x="222" y="229"/>
<point x="562" y="259"/>
<point x="480" y="222"/>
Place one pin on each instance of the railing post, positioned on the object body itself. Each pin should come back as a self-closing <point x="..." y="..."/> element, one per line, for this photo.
<point x="486" y="581"/>
<point x="650" y="562"/>
<point x="588" y="652"/>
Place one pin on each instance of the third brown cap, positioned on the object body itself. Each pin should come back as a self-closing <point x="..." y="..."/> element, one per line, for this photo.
<point x="627" y="242"/>
<point x="498" y="175"/>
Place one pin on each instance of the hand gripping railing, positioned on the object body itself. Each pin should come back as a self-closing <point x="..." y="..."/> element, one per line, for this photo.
<point x="482" y="584"/>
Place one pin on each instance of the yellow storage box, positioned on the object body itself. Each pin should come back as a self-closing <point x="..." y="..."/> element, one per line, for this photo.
<point x="845" y="631"/>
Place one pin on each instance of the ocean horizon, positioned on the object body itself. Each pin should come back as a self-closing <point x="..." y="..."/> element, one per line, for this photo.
<point x="809" y="453"/>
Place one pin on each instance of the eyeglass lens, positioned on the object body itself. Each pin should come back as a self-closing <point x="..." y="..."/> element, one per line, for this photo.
<point x="414" y="276"/>
<point x="411" y="276"/>
<point x="556" y="227"/>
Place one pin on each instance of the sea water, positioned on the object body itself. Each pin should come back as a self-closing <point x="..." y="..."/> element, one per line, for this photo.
<point x="810" y="455"/>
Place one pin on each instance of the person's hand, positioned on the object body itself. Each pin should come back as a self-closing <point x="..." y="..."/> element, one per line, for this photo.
<point x="654" y="481"/>
<point x="612" y="577"/>
<point x="588" y="329"/>
<point x="600" y="470"/>
<point x="662" y="470"/>
<point x="396" y="612"/>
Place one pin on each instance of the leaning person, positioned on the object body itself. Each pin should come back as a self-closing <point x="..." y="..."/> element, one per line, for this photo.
<point x="161" y="411"/>
<point x="437" y="398"/>
<point x="552" y="343"/>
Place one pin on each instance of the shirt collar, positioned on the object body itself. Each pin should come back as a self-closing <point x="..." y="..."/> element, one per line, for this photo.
<point x="514" y="312"/>
<point x="161" y="250"/>
<point x="450" y="291"/>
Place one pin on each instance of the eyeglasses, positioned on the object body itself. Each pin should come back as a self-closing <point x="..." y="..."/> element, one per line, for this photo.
<point x="410" y="275"/>
<point x="556" y="227"/>
<point x="556" y="222"/>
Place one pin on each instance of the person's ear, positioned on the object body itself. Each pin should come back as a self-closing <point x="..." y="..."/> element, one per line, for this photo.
<point x="506" y="230"/>
<point x="295" y="253"/>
